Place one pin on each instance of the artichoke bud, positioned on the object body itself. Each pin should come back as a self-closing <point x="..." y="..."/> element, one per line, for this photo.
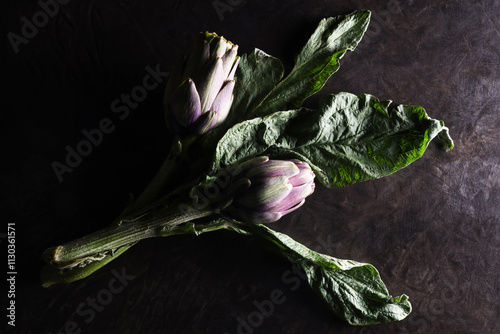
<point x="277" y="187"/>
<point x="207" y="77"/>
<point x="263" y="190"/>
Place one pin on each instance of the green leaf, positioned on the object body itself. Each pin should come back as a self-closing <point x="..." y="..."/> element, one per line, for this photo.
<point x="258" y="89"/>
<point x="317" y="61"/>
<point x="353" y="291"/>
<point x="351" y="138"/>
<point x="258" y="73"/>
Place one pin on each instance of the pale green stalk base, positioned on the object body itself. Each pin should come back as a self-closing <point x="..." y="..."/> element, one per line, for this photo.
<point x="95" y="246"/>
<point x="52" y="275"/>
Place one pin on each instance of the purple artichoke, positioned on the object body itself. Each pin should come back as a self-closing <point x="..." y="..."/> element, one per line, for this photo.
<point x="264" y="190"/>
<point x="199" y="92"/>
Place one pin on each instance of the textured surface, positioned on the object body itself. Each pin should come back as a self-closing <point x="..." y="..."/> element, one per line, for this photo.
<point x="432" y="230"/>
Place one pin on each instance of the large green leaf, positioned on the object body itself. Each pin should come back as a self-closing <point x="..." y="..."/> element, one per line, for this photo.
<point x="353" y="291"/>
<point x="351" y="138"/>
<point x="259" y="91"/>
<point x="317" y="61"/>
<point x="258" y="73"/>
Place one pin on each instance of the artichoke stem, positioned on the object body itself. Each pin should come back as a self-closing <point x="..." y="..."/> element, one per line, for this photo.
<point x="101" y="243"/>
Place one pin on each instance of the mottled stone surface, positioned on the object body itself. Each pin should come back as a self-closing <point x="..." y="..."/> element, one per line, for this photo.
<point x="432" y="229"/>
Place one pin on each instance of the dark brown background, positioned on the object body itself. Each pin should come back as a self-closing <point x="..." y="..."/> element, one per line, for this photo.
<point x="431" y="229"/>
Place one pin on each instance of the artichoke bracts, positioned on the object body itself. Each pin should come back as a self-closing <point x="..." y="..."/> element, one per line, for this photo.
<point x="257" y="191"/>
<point x="199" y="92"/>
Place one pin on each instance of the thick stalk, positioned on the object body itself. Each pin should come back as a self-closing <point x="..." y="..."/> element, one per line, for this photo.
<point x="152" y="191"/>
<point x="78" y="269"/>
<point x="52" y="275"/>
<point x="99" y="244"/>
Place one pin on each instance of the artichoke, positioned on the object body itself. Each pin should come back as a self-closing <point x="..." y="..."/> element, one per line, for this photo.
<point x="199" y="93"/>
<point x="272" y="189"/>
<point x="257" y="191"/>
